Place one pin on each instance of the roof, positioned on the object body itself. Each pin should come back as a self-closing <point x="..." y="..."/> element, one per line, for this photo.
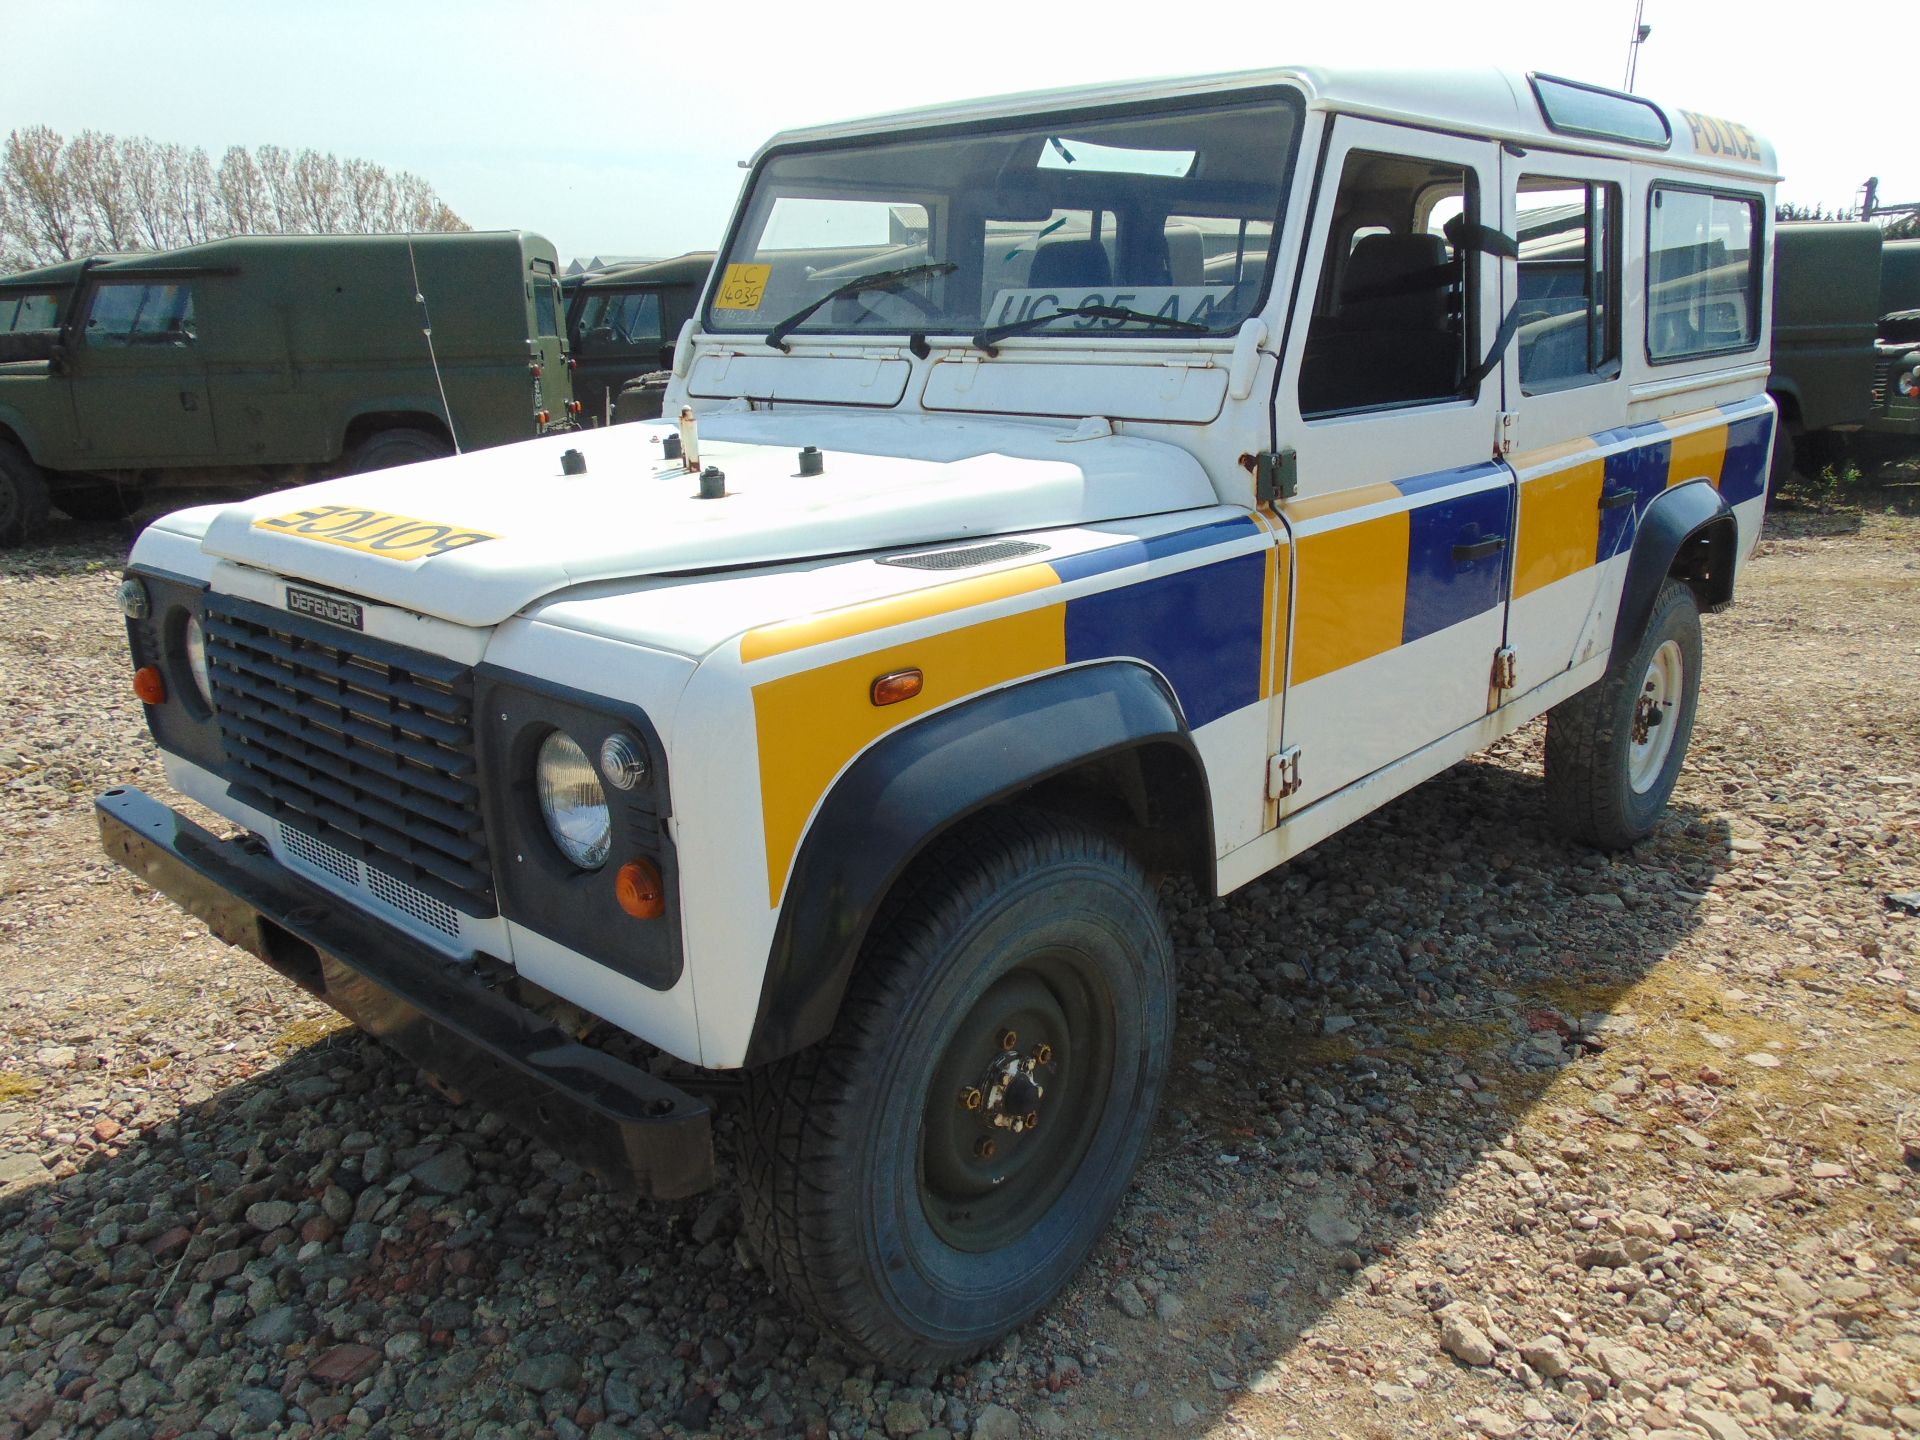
<point x="232" y="249"/>
<point x="690" y="268"/>
<point x="1482" y="100"/>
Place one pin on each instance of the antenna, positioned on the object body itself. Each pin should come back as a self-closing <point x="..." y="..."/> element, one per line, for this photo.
<point x="426" y="329"/>
<point x="1640" y="33"/>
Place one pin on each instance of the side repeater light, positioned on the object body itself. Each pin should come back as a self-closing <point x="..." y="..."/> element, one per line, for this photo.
<point x="640" y="891"/>
<point x="900" y="685"/>
<point x="150" y="685"/>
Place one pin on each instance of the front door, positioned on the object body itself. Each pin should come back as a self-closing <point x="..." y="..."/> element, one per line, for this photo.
<point x="139" y="382"/>
<point x="1402" y="515"/>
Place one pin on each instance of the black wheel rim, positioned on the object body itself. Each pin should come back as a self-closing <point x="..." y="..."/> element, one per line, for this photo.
<point x="1038" y="1046"/>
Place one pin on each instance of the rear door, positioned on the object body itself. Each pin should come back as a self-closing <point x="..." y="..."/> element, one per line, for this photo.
<point x="1564" y="394"/>
<point x="1403" y="516"/>
<point x="139" y="380"/>
<point x="546" y="313"/>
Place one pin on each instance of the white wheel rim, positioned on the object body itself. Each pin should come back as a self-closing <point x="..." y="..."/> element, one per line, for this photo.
<point x="1656" y="717"/>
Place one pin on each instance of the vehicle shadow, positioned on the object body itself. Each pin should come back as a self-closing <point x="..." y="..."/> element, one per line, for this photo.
<point x="1359" y="1031"/>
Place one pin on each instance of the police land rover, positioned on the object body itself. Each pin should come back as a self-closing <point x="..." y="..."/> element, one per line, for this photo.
<point x="1054" y="493"/>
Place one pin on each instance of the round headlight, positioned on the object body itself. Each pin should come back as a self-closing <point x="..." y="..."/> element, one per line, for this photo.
<point x="573" y="802"/>
<point x="194" y="642"/>
<point x="623" y="762"/>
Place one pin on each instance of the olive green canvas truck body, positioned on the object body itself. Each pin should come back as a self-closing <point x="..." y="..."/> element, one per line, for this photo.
<point x="260" y="361"/>
<point x="621" y="324"/>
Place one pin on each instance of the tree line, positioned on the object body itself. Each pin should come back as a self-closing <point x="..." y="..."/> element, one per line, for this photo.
<point x="61" y="199"/>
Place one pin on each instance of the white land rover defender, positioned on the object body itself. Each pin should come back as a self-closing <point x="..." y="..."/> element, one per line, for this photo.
<point x="1058" y="492"/>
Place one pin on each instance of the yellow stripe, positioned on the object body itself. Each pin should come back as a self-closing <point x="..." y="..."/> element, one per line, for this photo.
<point x="1697" y="456"/>
<point x="1547" y="454"/>
<point x="1559" y="526"/>
<point x="1353" y="594"/>
<point x="1318" y="505"/>
<point x="872" y="615"/>
<point x="811" y="724"/>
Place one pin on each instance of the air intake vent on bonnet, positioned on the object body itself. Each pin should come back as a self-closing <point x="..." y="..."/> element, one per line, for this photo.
<point x="966" y="557"/>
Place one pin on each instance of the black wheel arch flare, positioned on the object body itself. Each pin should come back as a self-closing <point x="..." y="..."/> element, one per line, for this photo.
<point x="916" y="783"/>
<point x="1688" y="531"/>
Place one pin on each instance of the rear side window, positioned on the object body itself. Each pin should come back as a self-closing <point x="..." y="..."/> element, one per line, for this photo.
<point x="126" y="314"/>
<point x="35" y="310"/>
<point x="1569" y="298"/>
<point x="1703" y="273"/>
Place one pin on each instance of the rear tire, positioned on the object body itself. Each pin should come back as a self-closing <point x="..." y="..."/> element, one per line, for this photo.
<point x="24" y="500"/>
<point x="387" y="448"/>
<point x="1022" y="969"/>
<point x="1614" y="751"/>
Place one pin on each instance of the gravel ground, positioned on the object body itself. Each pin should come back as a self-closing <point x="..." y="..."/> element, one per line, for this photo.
<point x="1472" y="1132"/>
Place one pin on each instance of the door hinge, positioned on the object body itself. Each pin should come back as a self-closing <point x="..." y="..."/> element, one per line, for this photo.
<point x="1283" y="773"/>
<point x="1508" y="419"/>
<point x="1276" y="475"/>
<point x="1506" y="668"/>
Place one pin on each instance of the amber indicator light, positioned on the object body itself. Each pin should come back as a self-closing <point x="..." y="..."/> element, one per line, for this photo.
<point x="900" y="685"/>
<point x="640" y="890"/>
<point x="150" y="685"/>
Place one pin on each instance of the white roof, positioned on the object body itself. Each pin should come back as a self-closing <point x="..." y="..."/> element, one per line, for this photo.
<point x="1481" y="100"/>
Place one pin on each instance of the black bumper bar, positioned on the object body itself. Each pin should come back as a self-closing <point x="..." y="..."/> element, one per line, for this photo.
<point x="615" y="1119"/>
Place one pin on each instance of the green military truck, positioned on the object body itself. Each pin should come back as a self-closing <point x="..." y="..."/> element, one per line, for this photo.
<point x="1839" y="341"/>
<point x="130" y="383"/>
<point x="622" y="323"/>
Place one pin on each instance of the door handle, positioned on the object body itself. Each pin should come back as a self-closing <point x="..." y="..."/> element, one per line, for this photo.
<point x="1479" y="549"/>
<point x="1614" y="499"/>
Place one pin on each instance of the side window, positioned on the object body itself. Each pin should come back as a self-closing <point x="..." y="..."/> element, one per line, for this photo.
<point x="127" y="314"/>
<point x="1569" y="301"/>
<point x="546" y="307"/>
<point x="36" y="310"/>
<point x="1389" y="322"/>
<point x="1703" y="277"/>
<point x="620" y="321"/>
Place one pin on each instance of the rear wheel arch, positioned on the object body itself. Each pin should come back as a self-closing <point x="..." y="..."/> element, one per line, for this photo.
<point x="1103" y="744"/>
<point x="364" y="427"/>
<point x="1688" y="533"/>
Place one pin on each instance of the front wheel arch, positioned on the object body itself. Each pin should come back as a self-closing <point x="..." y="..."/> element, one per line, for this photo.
<point x="1044" y="743"/>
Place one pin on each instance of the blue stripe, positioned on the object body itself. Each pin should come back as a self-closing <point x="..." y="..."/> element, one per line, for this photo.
<point x="1439" y="479"/>
<point x="1155" y="547"/>
<point x="1442" y="591"/>
<point x="1642" y="469"/>
<point x="1743" y="475"/>
<point x="1200" y="628"/>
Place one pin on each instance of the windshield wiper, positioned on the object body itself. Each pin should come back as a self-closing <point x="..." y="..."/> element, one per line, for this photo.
<point x="989" y="338"/>
<point x="877" y="280"/>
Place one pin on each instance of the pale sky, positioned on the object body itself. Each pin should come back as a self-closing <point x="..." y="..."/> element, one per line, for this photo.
<point x="616" y="128"/>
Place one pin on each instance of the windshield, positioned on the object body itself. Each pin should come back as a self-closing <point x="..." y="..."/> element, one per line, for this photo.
<point x="1170" y="213"/>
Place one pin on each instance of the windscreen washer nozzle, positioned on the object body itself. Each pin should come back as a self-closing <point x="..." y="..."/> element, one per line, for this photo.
<point x="572" y="462"/>
<point x="812" y="462"/>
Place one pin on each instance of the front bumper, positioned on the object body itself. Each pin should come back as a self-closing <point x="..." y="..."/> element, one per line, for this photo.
<point x="615" y="1119"/>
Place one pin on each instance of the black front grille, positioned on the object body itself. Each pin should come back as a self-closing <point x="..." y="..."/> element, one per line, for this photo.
<point x="366" y="744"/>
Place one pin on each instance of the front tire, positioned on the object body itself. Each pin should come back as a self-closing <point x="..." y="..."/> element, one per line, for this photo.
<point x="23" y="498"/>
<point x="1614" y="751"/>
<point x="931" y="1174"/>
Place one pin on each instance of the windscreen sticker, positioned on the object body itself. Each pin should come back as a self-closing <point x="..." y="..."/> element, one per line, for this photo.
<point x="743" y="287"/>
<point x="374" y="532"/>
<point x="1170" y="302"/>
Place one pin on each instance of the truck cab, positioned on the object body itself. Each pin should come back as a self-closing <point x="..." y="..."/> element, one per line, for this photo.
<point x="621" y="324"/>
